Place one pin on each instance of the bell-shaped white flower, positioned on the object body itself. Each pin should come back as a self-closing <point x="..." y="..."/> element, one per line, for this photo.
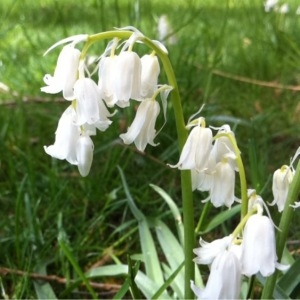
<point x="149" y="76"/>
<point x="107" y="77"/>
<point x="87" y="97"/>
<point x="222" y="184"/>
<point x="196" y="150"/>
<point x="84" y="154"/>
<point x="281" y="181"/>
<point x="142" y="130"/>
<point x="128" y="78"/>
<point x="222" y="145"/>
<point x="270" y="4"/>
<point x="90" y="108"/>
<point x="258" y="247"/>
<point x="66" y="137"/>
<point x="224" y="281"/>
<point x="207" y="252"/>
<point x="201" y="180"/>
<point x="65" y="73"/>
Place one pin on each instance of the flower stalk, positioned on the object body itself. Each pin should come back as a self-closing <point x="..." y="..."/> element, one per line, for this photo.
<point x="186" y="184"/>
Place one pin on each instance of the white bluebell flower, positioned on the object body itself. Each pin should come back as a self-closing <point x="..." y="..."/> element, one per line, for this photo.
<point x="224" y="281"/>
<point x="196" y="150"/>
<point x="280" y="187"/>
<point x="142" y="130"/>
<point x="65" y="74"/>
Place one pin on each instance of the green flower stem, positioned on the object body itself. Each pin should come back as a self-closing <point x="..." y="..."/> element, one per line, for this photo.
<point x="186" y="182"/>
<point x="243" y="182"/>
<point x="282" y="233"/>
<point x="242" y="223"/>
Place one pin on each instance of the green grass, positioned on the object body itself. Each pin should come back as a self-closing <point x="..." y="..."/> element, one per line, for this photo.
<point x="235" y="37"/>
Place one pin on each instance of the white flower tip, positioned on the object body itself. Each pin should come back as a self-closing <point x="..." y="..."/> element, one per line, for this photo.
<point x="74" y="39"/>
<point x="161" y="46"/>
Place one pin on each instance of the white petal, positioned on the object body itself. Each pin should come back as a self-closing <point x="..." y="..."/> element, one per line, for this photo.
<point x="222" y="186"/>
<point x="84" y="154"/>
<point x="66" y="137"/>
<point x="87" y="97"/>
<point x="258" y="246"/>
<point x="74" y="39"/>
<point x="65" y="73"/>
<point x="128" y="77"/>
<point x="149" y="76"/>
<point x="142" y="129"/>
<point x="106" y="82"/>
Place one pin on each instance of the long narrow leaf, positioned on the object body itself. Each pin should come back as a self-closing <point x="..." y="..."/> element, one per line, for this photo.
<point x="171" y="277"/>
<point x="152" y="263"/>
<point x="291" y="278"/>
<point x="43" y="289"/>
<point x="145" y="284"/>
<point x="174" y="209"/>
<point x="150" y="257"/>
<point x="169" y="243"/>
<point x="135" y="211"/>
<point x="68" y="253"/>
<point x="221" y="218"/>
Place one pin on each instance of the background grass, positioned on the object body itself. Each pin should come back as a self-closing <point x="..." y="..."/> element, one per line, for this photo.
<point x="40" y="197"/>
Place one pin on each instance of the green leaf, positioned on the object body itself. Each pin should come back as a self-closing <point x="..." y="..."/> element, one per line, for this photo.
<point x="129" y="282"/>
<point x="221" y="218"/>
<point x="135" y="211"/>
<point x="173" y="253"/>
<point x="43" y="289"/>
<point x="291" y="278"/>
<point x="152" y="263"/>
<point x="174" y="209"/>
<point x="278" y="293"/>
<point x="171" y="276"/>
<point x="145" y="284"/>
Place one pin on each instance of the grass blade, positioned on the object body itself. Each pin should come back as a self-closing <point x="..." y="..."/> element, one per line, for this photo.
<point x="174" y="209"/>
<point x="221" y="218"/>
<point x="43" y="289"/>
<point x="150" y="257"/>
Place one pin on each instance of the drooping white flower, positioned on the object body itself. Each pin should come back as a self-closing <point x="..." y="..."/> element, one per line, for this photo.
<point x="270" y="4"/>
<point x="207" y="252"/>
<point x="224" y="281"/>
<point x="142" y="130"/>
<point x="201" y="180"/>
<point x="223" y="146"/>
<point x="90" y="108"/>
<point x="127" y="78"/>
<point x="284" y="8"/>
<point x="254" y="199"/>
<point x="66" y="137"/>
<point x="222" y="184"/>
<point x="106" y="82"/>
<point x="196" y="150"/>
<point x="149" y="75"/>
<point x="258" y="247"/>
<point x="164" y="30"/>
<point x="65" y="73"/>
<point x="87" y="97"/>
<point x="84" y="154"/>
<point x="281" y="181"/>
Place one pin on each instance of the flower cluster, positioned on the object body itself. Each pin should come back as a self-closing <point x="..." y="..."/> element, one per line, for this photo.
<point x="121" y="77"/>
<point x="212" y="163"/>
<point x="233" y="256"/>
